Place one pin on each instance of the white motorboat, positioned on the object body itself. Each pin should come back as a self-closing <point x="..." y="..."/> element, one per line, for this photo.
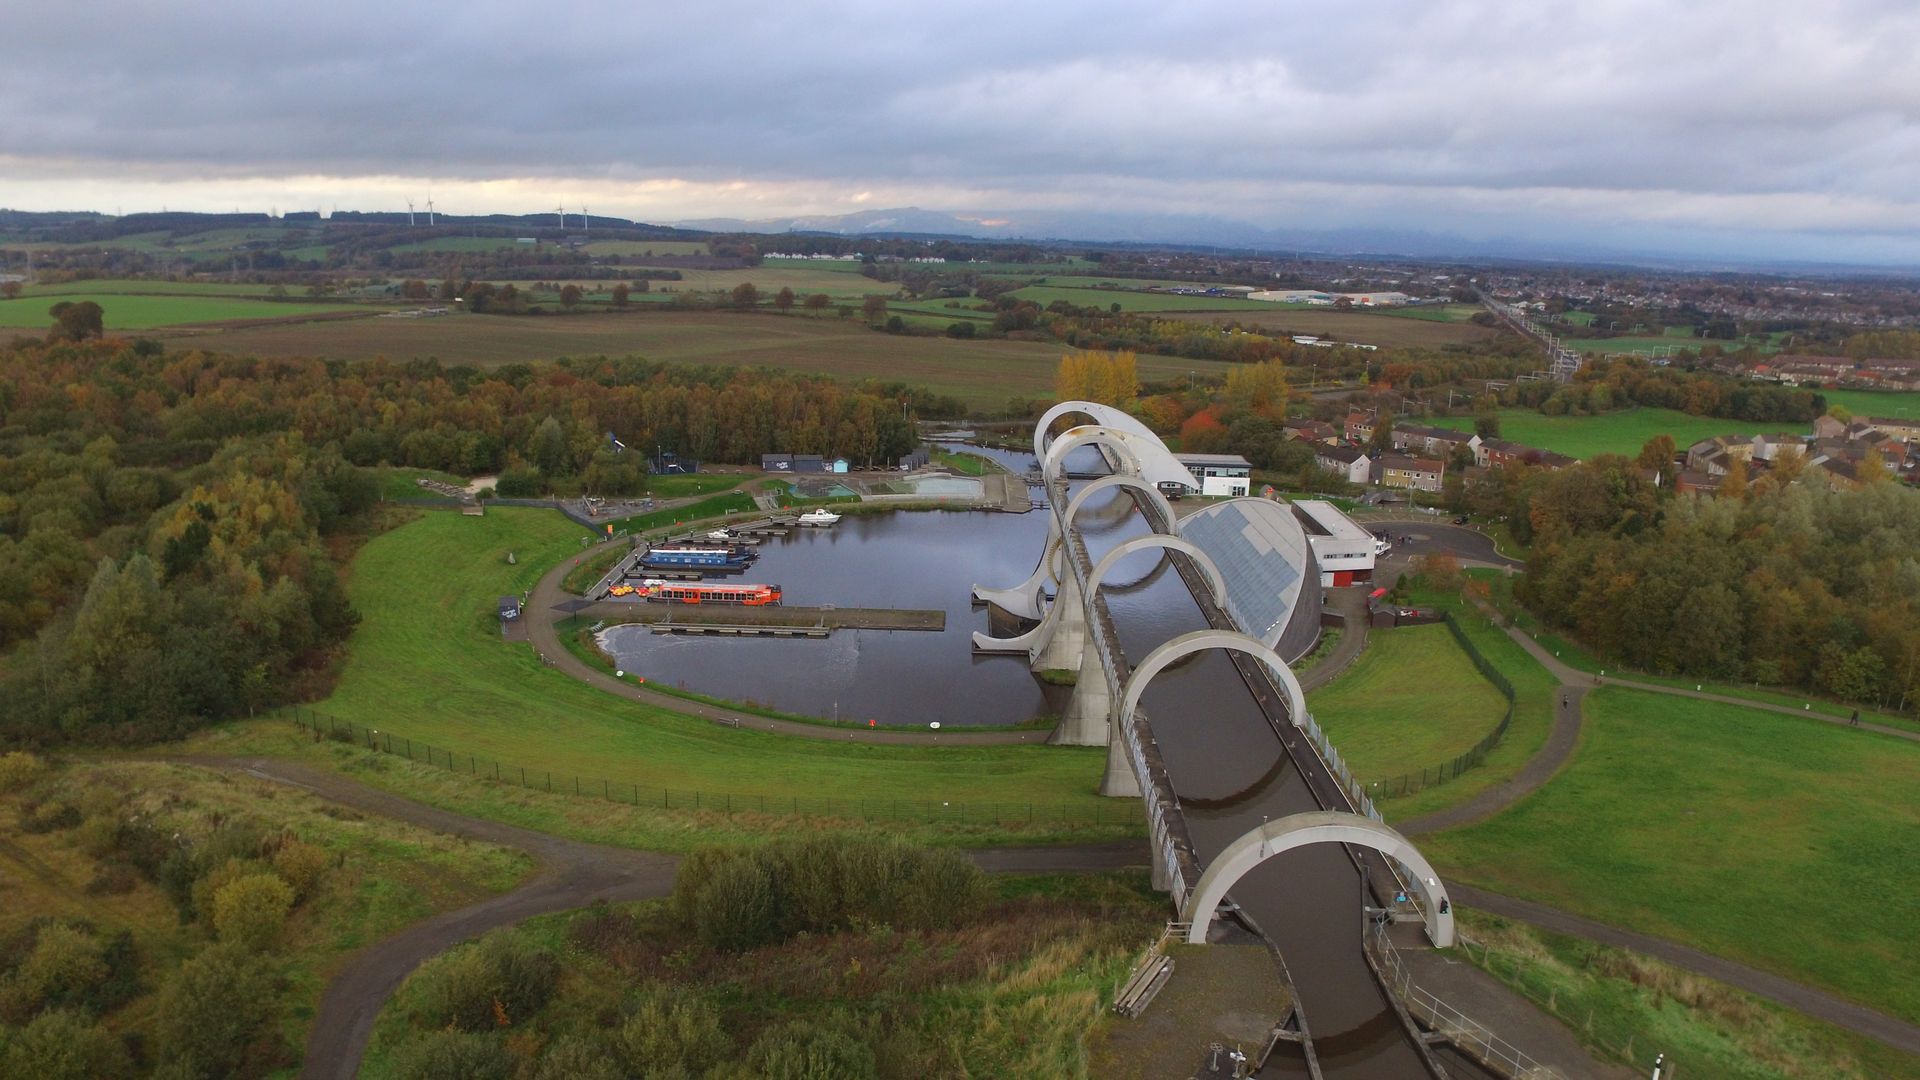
<point x="820" y="516"/>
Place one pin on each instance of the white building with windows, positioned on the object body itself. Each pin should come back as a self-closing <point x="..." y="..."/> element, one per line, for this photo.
<point x="1341" y="548"/>
<point x="1227" y="475"/>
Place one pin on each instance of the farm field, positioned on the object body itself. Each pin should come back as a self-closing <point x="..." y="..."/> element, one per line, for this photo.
<point x="1070" y="280"/>
<point x="133" y="287"/>
<point x="130" y="312"/>
<point x="1131" y="301"/>
<point x="1755" y="836"/>
<point x="1676" y="338"/>
<point x="981" y="373"/>
<point x="803" y="279"/>
<point x="643" y="247"/>
<point x="1623" y="432"/>
<point x="1362" y="327"/>
<point x="428" y="664"/>
<point x="1411" y="701"/>
<point x="1453" y="313"/>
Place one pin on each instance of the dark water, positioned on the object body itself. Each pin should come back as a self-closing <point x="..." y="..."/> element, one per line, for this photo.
<point x="926" y="560"/>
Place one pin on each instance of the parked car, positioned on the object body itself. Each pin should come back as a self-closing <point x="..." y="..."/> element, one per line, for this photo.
<point x="1461" y="520"/>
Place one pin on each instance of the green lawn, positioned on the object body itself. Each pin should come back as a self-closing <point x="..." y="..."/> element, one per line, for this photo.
<point x="1898" y="404"/>
<point x="397" y="482"/>
<point x="126" y="312"/>
<point x="679" y="485"/>
<point x="1755" y="836"/>
<point x="1622" y="432"/>
<point x="428" y="664"/>
<point x="1411" y="701"/>
<point x="732" y="502"/>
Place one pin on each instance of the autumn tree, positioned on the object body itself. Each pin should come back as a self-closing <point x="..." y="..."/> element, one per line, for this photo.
<point x="1487" y="425"/>
<point x="9" y="290"/>
<point x="414" y="289"/>
<point x="570" y="296"/>
<point x="1260" y="388"/>
<point x="783" y="300"/>
<point x="1734" y="484"/>
<point x="745" y="295"/>
<point x="874" y="309"/>
<point x="1657" y="454"/>
<point x="76" y="320"/>
<point x="1110" y="378"/>
<point x="621" y="295"/>
<point x="818" y="302"/>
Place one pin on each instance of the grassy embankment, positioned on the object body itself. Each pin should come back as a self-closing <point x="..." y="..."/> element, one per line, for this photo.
<point x="1781" y="844"/>
<point x="136" y="848"/>
<point x="1411" y="701"/>
<point x="428" y="665"/>
<point x="1014" y="990"/>
<point x="1625" y="1007"/>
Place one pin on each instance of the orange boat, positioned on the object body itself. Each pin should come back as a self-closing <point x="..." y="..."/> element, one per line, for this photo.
<point x="673" y="592"/>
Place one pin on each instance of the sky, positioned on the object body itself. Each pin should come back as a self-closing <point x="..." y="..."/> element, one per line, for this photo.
<point x="1747" y="129"/>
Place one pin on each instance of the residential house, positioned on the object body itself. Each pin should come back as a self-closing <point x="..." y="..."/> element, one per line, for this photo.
<point x="1412" y="473"/>
<point x="1726" y="447"/>
<point x="1433" y="441"/>
<point x="1770" y="447"/>
<point x="1695" y="482"/>
<point x="1312" y="431"/>
<point x="1349" y="462"/>
<point x="1359" y="426"/>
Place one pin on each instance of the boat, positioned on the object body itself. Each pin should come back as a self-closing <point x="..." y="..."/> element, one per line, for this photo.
<point x="689" y="555"/>
<point x="723" y="535"/>
<point x="821" y="516"/>
<point x="678" y="592"/>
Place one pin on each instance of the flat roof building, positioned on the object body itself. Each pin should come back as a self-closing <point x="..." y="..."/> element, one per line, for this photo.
<point x="1342" y="550"/>
<point x="1218" y="474"/>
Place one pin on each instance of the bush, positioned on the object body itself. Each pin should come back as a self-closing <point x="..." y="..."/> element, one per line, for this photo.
<point x="736" y="909"/>
<point x="19" y="769"/>
<point x="573" y="1057"/>
<point x="496" y="982"/>
<point x="251" y="910"/>
<point x="520" y="483"/>
<point x="49" y="817"/>
<point x="453" y="1055"/>
<point x="302" y="865"/>
<point x="667" y="1030"/>
<point x="64" y="967"/>
<point x="63" y="1045"/>
<point x="211" y="1014"/>
<point x="208" y="878"/>
<point x="799" y="1051"/>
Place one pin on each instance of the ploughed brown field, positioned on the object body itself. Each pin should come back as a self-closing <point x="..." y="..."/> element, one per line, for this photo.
<point x="984" y="372"/>
<point x="1359" y="327"/>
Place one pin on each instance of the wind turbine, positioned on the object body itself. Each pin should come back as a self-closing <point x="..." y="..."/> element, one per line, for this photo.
<point x="562" y="211"/>
<point x="429" y="207"/>
<point x="409" y="213"/>
<point x="584" y="223"/>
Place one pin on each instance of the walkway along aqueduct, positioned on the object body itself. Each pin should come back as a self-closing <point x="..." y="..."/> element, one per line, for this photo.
<point x="1074" y="631"/>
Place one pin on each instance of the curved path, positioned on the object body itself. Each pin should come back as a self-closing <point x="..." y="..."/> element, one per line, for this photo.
<point x="549" y="603"/>
<point x="571" y="875"/>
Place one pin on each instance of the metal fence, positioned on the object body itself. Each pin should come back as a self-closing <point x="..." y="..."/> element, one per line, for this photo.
<point x="1470" y="1037"/>
<point x="1410" y="782"/>
<point x="633" y="793"/>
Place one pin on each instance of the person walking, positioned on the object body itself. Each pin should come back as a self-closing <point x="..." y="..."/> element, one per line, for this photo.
<point x="1855" y="721"/>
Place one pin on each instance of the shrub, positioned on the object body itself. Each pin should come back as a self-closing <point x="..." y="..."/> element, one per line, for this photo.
<point x="49" y="817"/>
<point x="302" y="865"/>
<point x="575" y="1057"/>
<point x="496" y="982"/>
<point x="212" y="1012"/>
<point x="63" y="1045"/>
<point x="251" y="910"/>
<point x="799" y="1051"/>
<point x="453" y="1055"/>
<point x="694" y="871"/>
<point x="208" y="878"/>
<point x="736" y="907"/>
<point x="667" y="1030"/>
<point x="19" y="769"/>
<point x="66" y="964"/>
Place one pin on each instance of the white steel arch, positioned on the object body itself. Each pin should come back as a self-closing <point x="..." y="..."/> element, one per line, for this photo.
<point x="1158" y="540"/>
<point x="1103" y="415"/>
<point x="1319" y="827"/>
<point x="1199" y="641"/>
<point x="1142" y="453"/>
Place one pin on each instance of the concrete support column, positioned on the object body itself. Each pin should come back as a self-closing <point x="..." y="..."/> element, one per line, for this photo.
<point x="1063" y="649"/>
<point x="1119" y="781"/>
<point x="1086" y="720"/>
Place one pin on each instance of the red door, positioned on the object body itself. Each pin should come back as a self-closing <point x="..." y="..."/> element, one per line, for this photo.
<point x="1342" y="578"/>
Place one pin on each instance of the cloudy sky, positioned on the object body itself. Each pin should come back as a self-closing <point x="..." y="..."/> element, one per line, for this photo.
<point x="1740" y="128"/>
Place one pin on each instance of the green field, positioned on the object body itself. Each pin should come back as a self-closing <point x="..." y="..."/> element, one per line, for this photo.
<point x="428" y="664"/>
<point x="1622" y="432"/>
<point x="457" y="244"/>
<point x="1412" y="700"/>
<point x="1898" y="404"/>
<point x="1676" y="337"/>
<point x="982" y="373"/>
<point x="125" y="312"/>
<point x="679" y="485"/>
<point x="1131" y="301"/>
<point x="645" y="247"/>
<point x="126" y="286"/>
<point x="1755" y="836"/>
<point x="1450" y="313"/>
